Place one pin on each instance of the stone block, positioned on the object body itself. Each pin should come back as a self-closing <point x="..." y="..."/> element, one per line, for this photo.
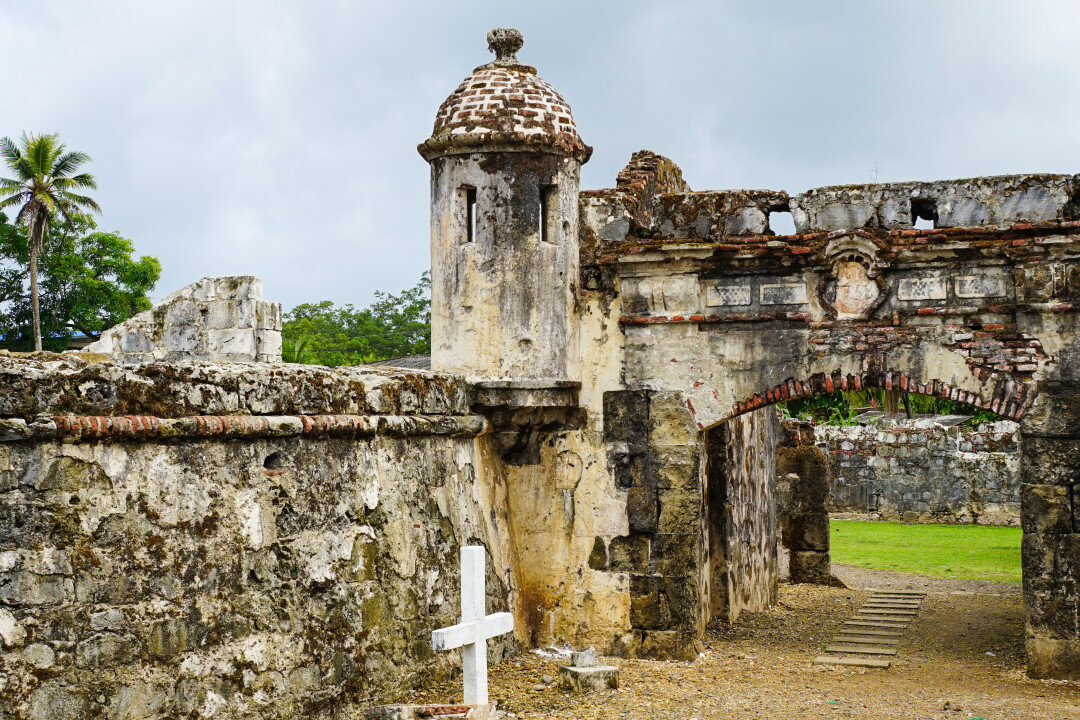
<point x="626" y="417"/>
<point x="645" y="608"/>
<point x="27" y="588"/>
<point x="680" y="510"/>
<point x="239" y="344"/>
<point x="670" y="421"/>
<point x="12" y="633"/>
<point x="808" y="566"/>
<point x="1048" y="613"/>
<point x="1049" y="461"/>
<point x="54" y="701"/>
<point x="629" y="554"/>
<point x="1057" y="658"/>
<point x="669" y="645"/>
<point x="168" y="638"/>
<point x="1046" y="508"/>
<point x="588" y="679"/>
<point x="583" y="658"/>
<point x="223" y="315"/>
<point x="676" y="466"/>
<point x="676" y="554"/>
<point x="135" y="341"/>
<point x="105" y="650"/>
<point x="138" y="701"/>
<point x="806" y="531"/>
<point x="1055" y="412"/>
<point x="40" y="655"/>
<point x="423" y="712"/>
<point x="642" y="510"/>
<point x="680" y="601"/>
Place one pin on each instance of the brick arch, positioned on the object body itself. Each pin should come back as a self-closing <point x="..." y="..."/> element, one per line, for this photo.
<point x="1010" y="399"/>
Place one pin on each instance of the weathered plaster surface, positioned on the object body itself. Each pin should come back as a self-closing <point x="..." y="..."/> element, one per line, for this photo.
<point x="235" y="565"/>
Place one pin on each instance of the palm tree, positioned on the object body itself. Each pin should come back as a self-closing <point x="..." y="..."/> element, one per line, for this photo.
<point x="45" y="183"/>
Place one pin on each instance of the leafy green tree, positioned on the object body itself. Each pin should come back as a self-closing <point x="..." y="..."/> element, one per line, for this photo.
<point x="844" y="407"/>
<point x="88" y="282"/>
<point x="394" y="325"/>
<point x="45" y="183"/>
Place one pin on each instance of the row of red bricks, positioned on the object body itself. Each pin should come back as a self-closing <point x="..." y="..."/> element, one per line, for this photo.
<point x="1008" y="400"/>
<point x="1031" y="236"/>
<point x="143" y="427"/>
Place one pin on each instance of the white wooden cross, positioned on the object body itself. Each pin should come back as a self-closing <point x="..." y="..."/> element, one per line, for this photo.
<point x="472" y="633"/>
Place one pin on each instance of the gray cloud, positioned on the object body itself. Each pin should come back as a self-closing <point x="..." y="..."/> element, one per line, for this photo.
<point x="278" y="138"/>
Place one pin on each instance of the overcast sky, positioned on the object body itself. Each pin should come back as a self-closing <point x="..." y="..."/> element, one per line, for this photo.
<point x="278" y="139"/>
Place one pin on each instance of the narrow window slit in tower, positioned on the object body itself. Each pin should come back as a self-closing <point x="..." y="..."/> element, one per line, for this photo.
<point x="547" y="201"/>
<point x="470" y="214"/>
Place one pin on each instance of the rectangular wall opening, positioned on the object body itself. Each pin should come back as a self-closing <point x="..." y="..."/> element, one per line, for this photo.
<point x="781" y="222"/>
<point x="923" y="214"/>
<point x="547" y="206"/>
<point x="469" y="194"/>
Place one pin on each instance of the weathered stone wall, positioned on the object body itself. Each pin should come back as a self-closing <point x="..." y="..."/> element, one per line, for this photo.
<point x="741" y="502"/>
<point x="922" y="471"/>
<point x="802" y="479"/>
<point x="222" y="319"/>
<point x="273" y="541"/>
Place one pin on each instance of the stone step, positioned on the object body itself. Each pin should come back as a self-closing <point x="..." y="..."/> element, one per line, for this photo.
<point x="904" y="593"/>
<point x="891" y="619"/>
<point x="852" y="661"/>
<point x="887" y="601"/>
<point x="887" y="611"/>
<point x="856" y="638"/>
<point x="880" y="606"/>
<point x="875" y="623"/>
<point x="869" y="632"/>
<point x="860" y="649"/>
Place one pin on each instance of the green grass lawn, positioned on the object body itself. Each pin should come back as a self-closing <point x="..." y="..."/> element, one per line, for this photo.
<point x="966" y="552"/>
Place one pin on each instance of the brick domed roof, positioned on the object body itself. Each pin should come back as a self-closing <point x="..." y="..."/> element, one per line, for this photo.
<point x="504" y="106"/>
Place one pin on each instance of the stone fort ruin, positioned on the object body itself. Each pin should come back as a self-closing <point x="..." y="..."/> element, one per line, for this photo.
<point x="220" y="535"/>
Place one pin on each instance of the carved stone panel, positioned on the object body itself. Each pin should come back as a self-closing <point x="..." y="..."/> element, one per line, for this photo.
<point x="921" y="288"/>
<point x="783" y="293"/>
<point x="983" y="285"/>
<point x="727" y="294"/>
<point x="856" y="293"/>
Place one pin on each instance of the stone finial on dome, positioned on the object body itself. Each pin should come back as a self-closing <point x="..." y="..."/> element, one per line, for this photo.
<point x="505" y="42"/>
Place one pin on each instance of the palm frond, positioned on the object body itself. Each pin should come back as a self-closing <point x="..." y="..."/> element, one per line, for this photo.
<point x="9" y="151"/>
<point x="42" y="149"/>
<point x="11" y="201"/>
<point x="68" y="163"/>
<point x="81" y="201"/>
<point x="82" y="180"/>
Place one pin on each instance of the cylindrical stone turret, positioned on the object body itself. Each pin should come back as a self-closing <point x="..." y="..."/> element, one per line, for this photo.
<point x="505" y="163"/>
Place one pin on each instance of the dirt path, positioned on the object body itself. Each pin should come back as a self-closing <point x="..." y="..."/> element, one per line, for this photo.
<point x="962" y="658"/>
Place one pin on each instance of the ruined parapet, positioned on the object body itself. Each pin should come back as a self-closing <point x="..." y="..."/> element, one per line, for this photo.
<point x="986" y="201"/>
<point x="207" y="539"/>
<point x="222" y="319"/>
<point x="505" y="160"/>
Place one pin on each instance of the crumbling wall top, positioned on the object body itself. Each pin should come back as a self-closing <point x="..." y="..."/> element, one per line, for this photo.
<point x="223" y="319"/>
<point x="651" y="205"/>
<point x="48" y="384"/>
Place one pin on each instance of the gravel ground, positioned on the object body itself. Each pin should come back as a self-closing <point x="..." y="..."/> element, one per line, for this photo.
<point x="962" y="658"/>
